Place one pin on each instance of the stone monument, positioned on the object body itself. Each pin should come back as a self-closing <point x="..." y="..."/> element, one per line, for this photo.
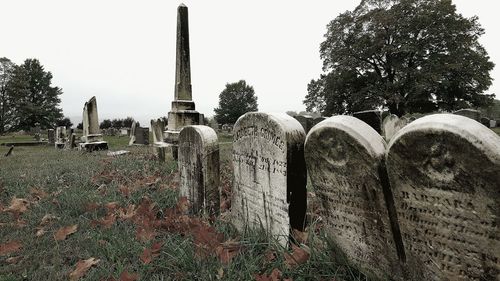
<point x="61" y="137"/>
<point x="51" y="138"/>
<point x="444" y="172"/>
<point x="199" y="169"/>
<point x="159" y="145"/>
<point x="92" y="137"/>
<point x="183" y="111"/>
<point x="269" y="184"/>
<point x="345" y="162"/>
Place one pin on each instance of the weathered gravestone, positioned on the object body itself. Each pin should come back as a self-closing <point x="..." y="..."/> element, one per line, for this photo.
<point x="160" y="147"/>
<point x="444" y="172"/>
<point x="493" y="123"/>
<point x="392" y="124"/>
<point x="61" y="137"/>
<point x="305" y="121"/>
<point x="138" y="135"/>
<point x="92" y="137"/>
<point x="51" y="138"/>
<point x="132" y="133"/>
<point x="269" y="186"/>
<point x="371" y="117"/>
<point x="199" y="169"/>
<point x="345" y="162"/>
<point x="485" y="121"/>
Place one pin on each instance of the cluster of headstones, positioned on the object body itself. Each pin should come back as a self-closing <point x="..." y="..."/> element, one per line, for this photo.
<point x="424" y="206"/>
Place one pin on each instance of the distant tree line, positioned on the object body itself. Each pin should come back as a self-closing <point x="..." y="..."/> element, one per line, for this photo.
<point x="27" y="97"/>
<point x="117" y="123"/>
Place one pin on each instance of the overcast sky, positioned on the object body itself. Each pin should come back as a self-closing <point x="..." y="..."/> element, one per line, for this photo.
<point x="123" y="51"/>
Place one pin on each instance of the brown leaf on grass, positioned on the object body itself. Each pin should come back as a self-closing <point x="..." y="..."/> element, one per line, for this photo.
<point x="9" y="247"/>
<point x="270" y="255"/>
<point x="124" y="190"/>
<point x="111" y="206"/>
<point x="300" y="236"/>
<point x="63" y="232"/>
<point x="18" y="205"/>
<point x="13" y="260"/>
<point x="40" y="231"/>
<point x="20" y="223"/>
<point x="90" y="207"/>
<point x="297" y="257"/>
<point x="228" y="250"/>
<point x="145" y="233"/>
<point x="47" y="219"/>
<point x="274" y="276"/>
<point x="127" y="213"/>
<point x="183" y="205"/>
<point x="125" y="276"/>
<point x="105" y="222"/>
<point x="38" y="193"/>
<point x="82" y="267"/>
<point x="149" y="253"/>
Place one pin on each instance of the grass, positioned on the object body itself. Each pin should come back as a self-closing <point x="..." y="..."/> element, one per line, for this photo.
<point x="65" y="183"/>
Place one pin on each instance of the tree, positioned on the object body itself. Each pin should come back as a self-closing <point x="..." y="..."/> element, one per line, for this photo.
<point x="117" y="123"/>
<point x="34" y="100"/>
<point x="6" y="71"/>
<point x="404" y="55"/>
<point x="80" y="126"/>
<point x="105" y="124"/>
<point x="66" y="122"/>
<point x="127" y="122"/>
<point x="235" y="100"/>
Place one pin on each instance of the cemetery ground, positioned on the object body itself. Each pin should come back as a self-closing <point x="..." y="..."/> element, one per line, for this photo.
<point x="65" y="214"/>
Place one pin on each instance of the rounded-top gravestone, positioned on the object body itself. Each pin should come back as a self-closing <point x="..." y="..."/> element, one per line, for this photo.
<point x="344" y="157"/>
<point x="269" y="186"/>
<point x="444" y="171"/>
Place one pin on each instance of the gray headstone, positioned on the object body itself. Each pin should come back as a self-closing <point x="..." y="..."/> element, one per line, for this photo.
<point x="141" y="136"/>
<point x="269" y="186"/>
<point x="199" y="169"/>
<point x="132" y="133"/>
<point x="51" y="136"/>
<point x="345" y="161"/>
<point x="444" y="172"/>
<point x="392" y="124"/>
<point x="157" y="127"/>
<point x="485" y="121"/>
<point x="372" y="118"/>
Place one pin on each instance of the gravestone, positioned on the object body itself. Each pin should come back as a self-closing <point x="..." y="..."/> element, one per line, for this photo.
<point x="485" y="121"/>
<point x="61" y="137"/>
<point x="92" y="137"/>
<point x="444" y="172"/>
<point x="392" y="124"/>
<point x="138" y="135"/>
<point x="132" y="133"/>
<point x="371" y="117"/>
<point x="183" y="111"/>
<point x="160" y="148"/>
<point x="199" y="169"/>
<point x="269" y="184"/>
<point x="51" y="137"/>
<point x="305" y="121"/>
<point x="471" y="113"/>
<point x="345" y="162"/>
<point x="493" y="123"/>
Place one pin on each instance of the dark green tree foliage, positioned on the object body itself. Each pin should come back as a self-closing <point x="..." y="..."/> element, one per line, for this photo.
<point x="34" y="99"/>
<point x="404" y="55"/>
<point x="117" y="123"/>
<point x="235" y="100"/>
<point x="127" y="122"/>
<point x="105" y="124"/>
<point x="6" y="71"/>
<point x="80" y="126"/>
<point x="66" y="122"/>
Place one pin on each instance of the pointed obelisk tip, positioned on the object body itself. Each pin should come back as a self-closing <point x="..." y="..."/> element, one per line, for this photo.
<point x="182" y="5"/>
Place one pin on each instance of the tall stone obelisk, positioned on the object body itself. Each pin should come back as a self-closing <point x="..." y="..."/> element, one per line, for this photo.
<point x="183" y="111"/>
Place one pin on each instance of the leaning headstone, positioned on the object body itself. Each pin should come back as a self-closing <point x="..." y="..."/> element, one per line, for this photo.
<point x="132" y="133"/>
<point x="372" y="118"/>
<point x="61" y="137"/>
<point x="92" y="137"/>
<point x="199" y="169"/>
<point x="269" y="184"/>
<point x="444" y="171"/>
<point x="160" y="147"/>
<point x="51" y="138"/>
<point x="345" y="162"/>
<point x="471" y="113"/>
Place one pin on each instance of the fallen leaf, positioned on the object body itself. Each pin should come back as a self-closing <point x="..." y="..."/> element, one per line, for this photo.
<point x="300" y="236"/>
<point x="124" y="190"/>
<point x="270" y="255"/>
<point x="125" y="276"/>
<point x="220" y="273"/>
<point x="18" y="205"/>
<point x="145" y="233"/>
<point x="111" y="206"/>
<point x="89" y="207"/>
<point x="9" y="247"/>
<point x="63" y="232"/>
<point x="298" y="256"/>
<point x="127" y="213"/>
<point x="183" y="205"/>
<point x="47" y="218"/>
<point x="38" y="193"/>
<point x="105" y="222"/>
<point x="40" y="232"/>
<point x="149" y="253"/>
<point x="13" y="260"/>
<point x="274" y="276"/>
<point x="227" y="251"/>
<point x="82" y="267"/>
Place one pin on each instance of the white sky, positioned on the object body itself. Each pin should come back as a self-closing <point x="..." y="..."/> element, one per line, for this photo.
<point x="123" y="51"/>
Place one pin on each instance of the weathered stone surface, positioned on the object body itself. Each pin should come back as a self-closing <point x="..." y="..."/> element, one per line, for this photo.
<point x="92" y="137"/>
<point x="199" y="169"/>
<point x="485" y="121"/>
<point x="51" y="138"/>
<point x="141" y="136"/>
<point x="493" y="123"/>
<point x="471" y="113"/>
<point x="269" y="174"/>
<point x="157" y="128"/>
<point x="305" y="121"/>
<point x="61" y="137"/>
<point x="392" y="124"/>
<point x="371" y="117"/>
<point x="132" y="133"/>
<point x="345" y="162"/>
<point x="444" y="172"/>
